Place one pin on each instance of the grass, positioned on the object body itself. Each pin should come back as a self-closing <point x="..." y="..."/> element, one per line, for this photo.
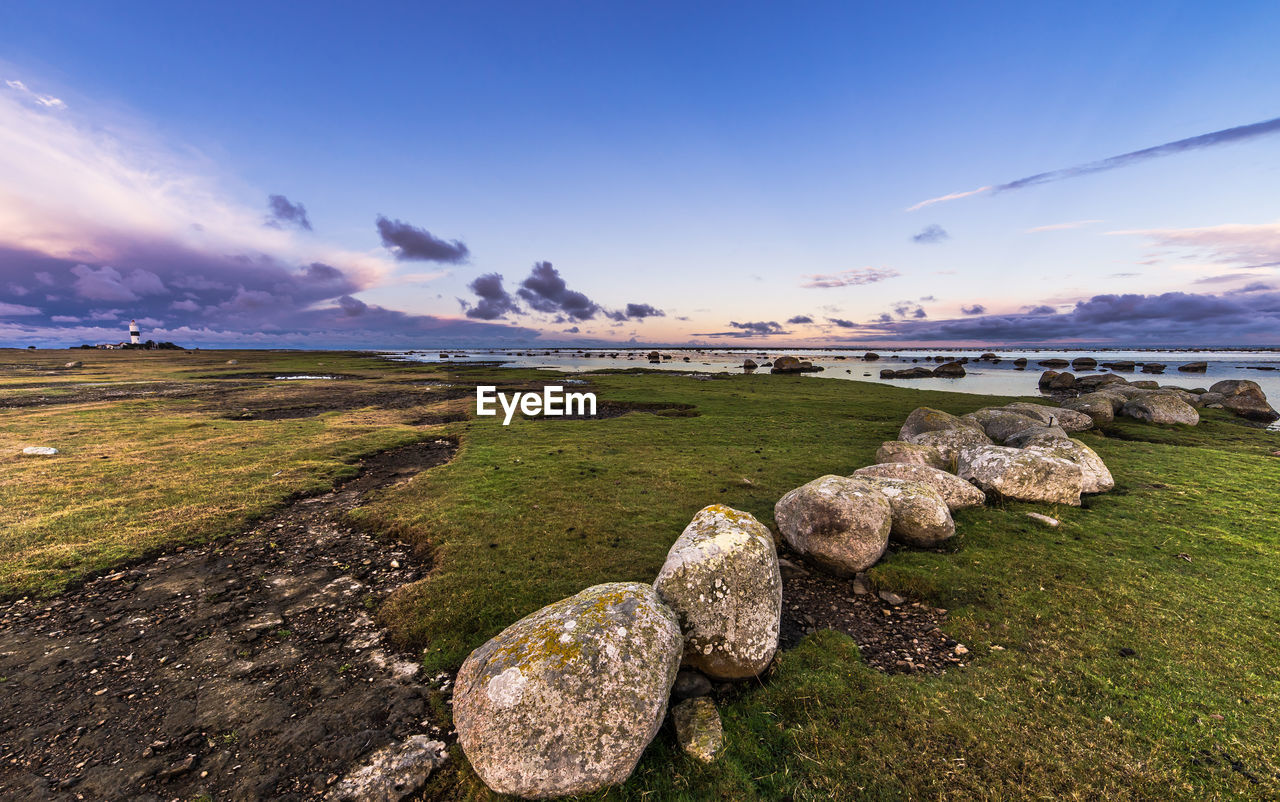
<point x="1132" y="653"/>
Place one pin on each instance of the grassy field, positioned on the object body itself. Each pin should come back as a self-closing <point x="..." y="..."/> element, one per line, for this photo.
<point x="1180" y="565"/>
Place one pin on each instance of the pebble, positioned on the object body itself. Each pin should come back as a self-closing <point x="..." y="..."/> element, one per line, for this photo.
<point x="889" y="597"/>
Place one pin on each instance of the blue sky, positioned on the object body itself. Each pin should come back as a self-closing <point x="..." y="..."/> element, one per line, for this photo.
<point x="709" y="162"/>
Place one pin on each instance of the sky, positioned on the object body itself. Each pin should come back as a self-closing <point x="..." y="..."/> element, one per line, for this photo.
<point x="494" y="174"/>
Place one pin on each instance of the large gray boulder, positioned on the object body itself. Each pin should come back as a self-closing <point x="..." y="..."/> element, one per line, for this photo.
<point x="949" y="442"/>
<point x="565" y="700"/>
<point x="1161" y="408"/>
<point x="721" y="578"/>
<point x="910" y="453"/>
<point x="921" y="516"/>
<point x="956" y="492"/>
<point x="1068" y="419"/>
<point x="841" y="524"/>
<point x="927" y="419"/>
<point x="1000" y="424"/>
<point x="1040" y="432"/>
<point x="1100" y="407"/>
<point x="1022" y="474"/>
<point x="1095" y="381"/>
<point x="1095" y="477"/>
<point x="1245" y="398"/>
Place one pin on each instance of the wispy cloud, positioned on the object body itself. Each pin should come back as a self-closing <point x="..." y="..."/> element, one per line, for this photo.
<point x="931" y="235"/>
<point x="1226" y="136"/>
<point x="1063" y="226"/>
<point x="849" y="278"/>
<point x="48" y="101"/>
<point x="1241" y="245"/>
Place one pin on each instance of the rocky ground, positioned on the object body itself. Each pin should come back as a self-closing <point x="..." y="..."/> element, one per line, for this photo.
<point x="893" y="634"/>
<point x="248" y="669"/>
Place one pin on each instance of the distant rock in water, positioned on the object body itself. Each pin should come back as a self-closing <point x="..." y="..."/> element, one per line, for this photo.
<point x="1053" y="363"/>
<point x="1084" y="363"/>
<point x="1194" y="367"/>
<point x="870" y="356"/>
<point x="791" y="364"/>
<point x="1153" y="367"/>
<point x="951" y="370"/>
<point x="749" y="364"/>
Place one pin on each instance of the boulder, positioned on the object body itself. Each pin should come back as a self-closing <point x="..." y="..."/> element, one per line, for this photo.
<point x="1098" y="406"/>
<point x="1063" y="381"/>
<point x="787" y="364"/>
<point x="920" y="516"/>
<point x="1084" y="363"/>
<point x="909" y="373"/>
<point x="1020" y="362"/>
<point x="1213" y="400"/>
<point x="870" y="356"/>
<point x="949" y="442"/>
<point x="1027" y="435"/>
<point x="1154" y="367"/>
<point x="956" y="492"/>
<point x="841" y="524"/>
<point x="40" y="451"/>
<point x="749" y="364"/>
<point x="721" y="578"/>
<point x="927" y="419"/>
<point x="1046" y="379"/>
<point x="1123" y="364"/>
<point x="1094" y="475"/>
<point x="999" y="424"/>
<point x="1245" y="398"/>
<point x="565" y="700"/>
<point x="1096" y="380"/>
<point x="950" y="370"/>
<point x="1194" y="367"/>
<point x="698" y="728"/>
<point x="1146" y="384"/>
<point x="690" y="683"/>
<point x="391" y="773"/>
<point x="1068" y="419"/>
<point x="76" y="364"/>
<point x="1053" y="363"/>
<point x="1161" y="408"/>
<point x="1022" y="474"/>
<point x="911" y="454"/>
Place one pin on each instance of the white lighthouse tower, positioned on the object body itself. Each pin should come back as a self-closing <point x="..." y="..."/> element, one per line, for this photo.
<point x="135" y="336"/>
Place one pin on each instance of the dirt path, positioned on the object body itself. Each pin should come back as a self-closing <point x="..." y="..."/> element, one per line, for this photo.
<point x="248" y="669"/>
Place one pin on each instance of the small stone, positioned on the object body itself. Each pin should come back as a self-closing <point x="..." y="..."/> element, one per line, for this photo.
<point x="860" y="586"/>
<point x="790" y="570"/>
<point x="961" y="649"/>
<point x="889" y="597"/>
<point x="698" y="728"/>
<point x="393" y="772"/>
<point x="39" y="451"/>
<point x="1044" y="519"/>
<point x="690" y="684"/>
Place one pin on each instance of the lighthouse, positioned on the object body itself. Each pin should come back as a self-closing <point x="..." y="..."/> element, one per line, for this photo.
<point x="135" y="336"/>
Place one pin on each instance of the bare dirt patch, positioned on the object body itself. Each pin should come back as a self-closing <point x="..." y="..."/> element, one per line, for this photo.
<point x="905" y="638"/>
<point x="247" y="669"/>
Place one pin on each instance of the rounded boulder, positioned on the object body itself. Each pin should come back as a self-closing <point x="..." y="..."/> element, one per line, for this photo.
<point x="839" y="523"/>
<point x="565" y="700"/>
<point x="920" y="516"/>
<point x="1022" y="474"/>
<point x="956" y="492"/>
<point x="722" y="581"/>
<point x="910" y="454"/>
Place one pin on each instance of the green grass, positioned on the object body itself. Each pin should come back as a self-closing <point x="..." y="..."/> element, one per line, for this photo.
<point x="1181" y="564"/>
<point x="533" y="512"/>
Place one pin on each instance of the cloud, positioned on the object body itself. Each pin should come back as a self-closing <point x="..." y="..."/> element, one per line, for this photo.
<point x="1062" y="226"/>
<point x="849" y="278"/>
<point x="47" y="101"/>
<point x="635" y="312"/>
<point x="976" y="309"/>
<point x="545" y="291"/>
<point x="761" y="328"/>
<point x="409" y="243"/>
<point x="17" y="310"/>
<point x="107" y="284"/>
<point x="1174" y="318"/>
<point x="931" y="235"/>
<point x="909" y="309"/>
<point x="844" y="324"/>
<point x="281" y="212"/>
<point x="495" y="301"/>
<point x="1242" y="245"/>
<point x="1226" y="136"/>
<point x="799" y="320"/>
<point x="572" y="330"/>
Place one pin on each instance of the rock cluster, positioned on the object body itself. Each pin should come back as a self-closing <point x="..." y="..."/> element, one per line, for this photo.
<point x="566" y="700"/>
<point x="1104" y="396"/>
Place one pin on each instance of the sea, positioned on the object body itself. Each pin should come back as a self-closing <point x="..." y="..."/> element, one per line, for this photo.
<point x="982" y="377"/>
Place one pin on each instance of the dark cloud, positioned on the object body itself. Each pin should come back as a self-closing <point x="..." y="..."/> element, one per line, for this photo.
<point x="545" y="291"/>
<point x="572" y="330"/>
<point x="1225" y="278"/>
<point x="909" y="309"/>
<point x="1256" y="286"/>
<point x="760" y="328"/>
<point x="1174" y="318"/>
<point x="799" y="320"/>
<point x="1042" y="310"/>
<point x="281" y="212"/>
<point x="931" y="235"/>
<point x="410" y="243"/>
<point x="976" y="309"/>
<point x="844" y="324"/>
<point x="635" y="312"/>
<point x="197" y="298"/>
<point x="495" y="301"/>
